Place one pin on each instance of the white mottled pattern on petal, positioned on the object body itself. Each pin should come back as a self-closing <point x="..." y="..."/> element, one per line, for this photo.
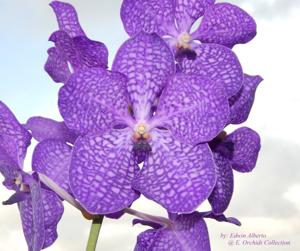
<point x="32" y="217"/>
<point x="189" y="233"/>
<point x="246" y="144"/>
<point x="19" y="138"/>
<point x="67" y="18"/>
<point x="188" y="11"/>
<point x="151" y="16"/>
<point x="148" y="63"/>
<point x="101" y="171"/>
<point x="222" y="193"/>
<point x="93" y="100"/>
<point x="44" y="128"/>
<point x="241" y="103"/>
<point x="193" y="108"/>
<point x="57" y="66"/>
<point x="177" y="176"/>
<point x="52" y="158"/>
<point x="226" y="24"/>
<point x="217" y="63"/>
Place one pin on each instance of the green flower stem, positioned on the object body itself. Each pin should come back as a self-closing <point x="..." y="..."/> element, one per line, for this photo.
<point x="94" y="233"/>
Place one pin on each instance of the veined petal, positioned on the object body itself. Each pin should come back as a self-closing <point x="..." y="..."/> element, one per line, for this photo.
<point x="57" y="66"/>
<point x="9" y="168"/>
<point x="151" y="16"/>
<point x="241" y="103"/>
<point x="193" y="108"/>
<point x="45" y="128"/>
<point x="19" y="138"/>
<point x="67" y="18"/>
<point x="177" y="176"/>
<point x="91" y="53"/>
<point x="222" y="193"/>
<point x="226" y="24"/>
<point x="187" y="12"/>
<point x="32" y="217"/>
<point x="147" y="62"/>
<point x="146" y="239"/>
<point x="72" y="46"/>
<point x="93" y="100"/>
<point x="81" y="52"/>
<point x="53" y="211"/>
<point x="101" y="171"/>
<point x="40" y="212"/>
<point x="217" y="63"/>
<point x="246" y="144"/>
<point x="50" y="236"/>
<point x="189" y="233"/>
<point x="52" y="158"/>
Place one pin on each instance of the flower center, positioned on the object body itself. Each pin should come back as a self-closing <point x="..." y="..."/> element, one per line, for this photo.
<point x="184" y="41"/>
<point x="141" y="132"/>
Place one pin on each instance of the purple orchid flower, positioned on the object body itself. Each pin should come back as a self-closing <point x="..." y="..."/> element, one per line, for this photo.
<point x="191" y="110"/>
<point x="239" y="151"/>
<point x="186" y="232"/>
<point x="72" y="46"/>
<point x="96" y="101"/>
<point x="221" y="23"/>
<point x="40" y="208"/>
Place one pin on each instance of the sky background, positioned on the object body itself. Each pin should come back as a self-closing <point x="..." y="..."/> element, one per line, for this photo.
<point x="267" y="201"/>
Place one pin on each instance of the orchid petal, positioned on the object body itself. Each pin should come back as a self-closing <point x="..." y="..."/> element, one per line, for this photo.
<point x="57" y="66"/>
<point x="67" y="18"/>
<point x="147" y="62"/>
<point x="52" y="158"/>
<point x="8" y="166"/>
<point x="45" y="128"/>
<point x="81" y="52"/>
<point x="189" y="233"/>
<point x="217" y="63"/>
<point x="40" y="212"/>
<point x="177" y="176"/>
<point x="187" y="12"/>
<point x="193" y="108"/>
<point x="226" y="24"/>
<point x="101" y="171"/>
<point x="222" y="193"/>
<point x="146" y="239"/>
<point x="241" y="103"/>
<point x="151" y="16"/>
<point x="19" y="137"/>
<point x="32" y="217"/>
<point x="246" y="148"/>
<point x="93" y="100"/>
<point x="52" y="208"/>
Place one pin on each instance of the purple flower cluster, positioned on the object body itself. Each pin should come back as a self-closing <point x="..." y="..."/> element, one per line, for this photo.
<point x="153" y="125"/>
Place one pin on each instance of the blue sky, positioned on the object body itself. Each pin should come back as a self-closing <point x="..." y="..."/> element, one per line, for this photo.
<point x="266" y="201"/>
